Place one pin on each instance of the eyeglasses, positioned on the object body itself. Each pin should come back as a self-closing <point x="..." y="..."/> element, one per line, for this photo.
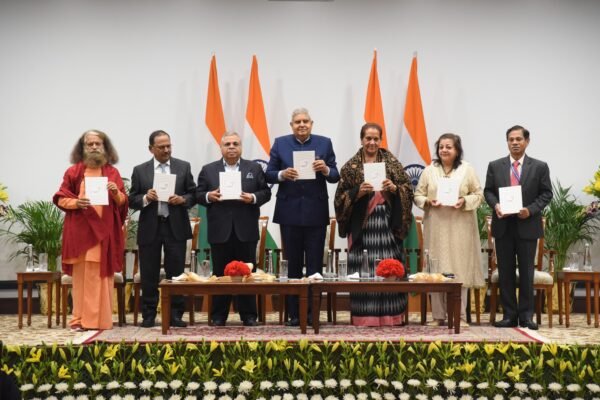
<point x="231" y="144"/>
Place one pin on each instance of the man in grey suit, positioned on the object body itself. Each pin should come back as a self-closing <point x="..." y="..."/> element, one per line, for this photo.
<point x="233" y="224"/>
<point x="163" y="225"/>
<point x="516" y="234"/>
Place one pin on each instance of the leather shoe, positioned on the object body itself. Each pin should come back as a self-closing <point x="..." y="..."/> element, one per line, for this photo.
<point x="293" y="322"/>
<point x="178" y="323"/>
<point x="147" y="323"/>
<point x="528" y="324"/>
<point x="250" y="322"/>
<point x="218" y="322"/>
<point x="506" y="323"/>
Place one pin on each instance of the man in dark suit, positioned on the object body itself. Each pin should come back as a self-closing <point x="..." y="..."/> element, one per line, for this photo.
<point x="232" y="224"/>
<point x="163" y="225"/>
<point x="516" y="235"/>
<point x="302" y="207"/>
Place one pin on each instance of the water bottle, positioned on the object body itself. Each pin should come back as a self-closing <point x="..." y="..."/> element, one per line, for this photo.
<point x="587" y="259"/>
<point x="193" y="262"/>
<point x="29" y="267"/>
<point x="364" y="269"/>
<point x="329" y="271"/>
<point x="427" y="265"/>
<point x="268" y="262"/>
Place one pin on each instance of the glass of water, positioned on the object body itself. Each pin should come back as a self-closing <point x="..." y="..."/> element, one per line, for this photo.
<point x="342" y="269"/>
<point x="205" y="268"/>
<point x="43" y="262"/>
<point x="283" y="270"/>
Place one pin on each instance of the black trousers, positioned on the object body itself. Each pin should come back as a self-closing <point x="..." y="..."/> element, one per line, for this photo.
<point x="222" y="254"/>
<point x="174" y="263"/>
<point x="302" y="243"/>
<point x="514" y="252"/>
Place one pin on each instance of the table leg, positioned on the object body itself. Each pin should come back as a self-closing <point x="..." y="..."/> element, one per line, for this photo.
<point x="315" y="309"/>
<point x="165" y="312"/>
<point x="20" y="301"/>
<point x="560" y="301"/>
<point x="58" y="289"/>
<point x="29" y="301"/>
<point x="209" y="309"/>
<point x="566" y="284"/>
<point x="588" y="301"/>
<point x="596" y="301"/>
<point x="453" y="309"/>
<point x="49" y="296"/>
<point x="303" y="310"/>
<point x="262" y="300"/>
<point x="423" y="307"/>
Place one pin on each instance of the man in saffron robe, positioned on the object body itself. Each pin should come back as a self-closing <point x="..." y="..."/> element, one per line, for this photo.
<point x="93" y="240"/>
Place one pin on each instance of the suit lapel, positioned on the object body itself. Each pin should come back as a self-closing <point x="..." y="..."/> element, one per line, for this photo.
<point x="525" y="169"/>
<point x="506" y="172"/>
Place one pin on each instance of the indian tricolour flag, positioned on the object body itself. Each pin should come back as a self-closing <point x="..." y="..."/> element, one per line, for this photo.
<point x="256" y="144"/>
<point x="414" y="147"/>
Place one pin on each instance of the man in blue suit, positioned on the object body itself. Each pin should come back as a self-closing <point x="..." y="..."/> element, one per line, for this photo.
<point x="302" y="207"/>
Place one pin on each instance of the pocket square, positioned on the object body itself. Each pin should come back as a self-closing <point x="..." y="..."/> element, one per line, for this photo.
<point x="249" y="176"/>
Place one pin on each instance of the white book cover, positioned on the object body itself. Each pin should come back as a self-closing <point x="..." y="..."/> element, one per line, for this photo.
<point x="375" y="175"/>
<point x="230" y="185"/>
<point x="303" y="161"/>
<point x="511" y="199"/>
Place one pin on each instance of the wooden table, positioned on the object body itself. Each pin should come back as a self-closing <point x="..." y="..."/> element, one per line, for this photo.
<point x="565" y="278"/>
<point x="452" y="289"/>
<point x="170" y="288"/>
<point x="50" y="277"/>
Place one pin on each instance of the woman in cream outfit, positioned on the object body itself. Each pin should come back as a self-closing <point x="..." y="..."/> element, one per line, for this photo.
<point x="450" y="232"/>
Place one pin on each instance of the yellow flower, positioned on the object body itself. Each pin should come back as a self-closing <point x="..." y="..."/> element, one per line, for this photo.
<point x="249" y="367"/>
<point x="63" y="372"/>
<point x="3" y="194"/>
<point x="34" y="356"/>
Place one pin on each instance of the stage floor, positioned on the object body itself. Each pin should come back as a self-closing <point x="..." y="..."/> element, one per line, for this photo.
<point x="578" y="333"/>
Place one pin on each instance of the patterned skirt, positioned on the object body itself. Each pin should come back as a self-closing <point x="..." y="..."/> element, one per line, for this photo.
<point x="376" y="309"/>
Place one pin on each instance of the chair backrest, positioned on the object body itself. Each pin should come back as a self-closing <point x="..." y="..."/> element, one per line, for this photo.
<point x="420" y="258"/>
<point x="263" y="223"/>
<point x="539" y="256"/>
<point x="192" y="244"/>
<point x="330" y="239"/>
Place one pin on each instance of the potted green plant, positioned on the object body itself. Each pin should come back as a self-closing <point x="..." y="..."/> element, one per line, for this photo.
<point x="38" y="223"/>
<point x="567" y="224"/>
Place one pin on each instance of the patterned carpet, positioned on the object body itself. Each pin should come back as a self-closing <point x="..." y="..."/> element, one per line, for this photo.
<point x="578" y="333"/>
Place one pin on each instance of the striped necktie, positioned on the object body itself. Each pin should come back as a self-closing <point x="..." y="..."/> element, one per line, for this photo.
<point x="515" y="177"/>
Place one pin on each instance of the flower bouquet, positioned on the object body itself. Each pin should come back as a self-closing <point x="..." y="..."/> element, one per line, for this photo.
<point x="237" y="270"/>
<point x="594" y="187"/>
<point x="390" y="269"/>
<point x="3" y="200"/>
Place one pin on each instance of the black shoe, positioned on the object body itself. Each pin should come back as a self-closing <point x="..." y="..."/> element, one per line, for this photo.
<point x="250" y="322"/>
<point x="177" y="322"/>
<point x="506" y="323"/>
<point x="147" y="323"/>
<point x="293" y="322"/>
<point x="528" y="324"/>
<point x="218" y="322"/>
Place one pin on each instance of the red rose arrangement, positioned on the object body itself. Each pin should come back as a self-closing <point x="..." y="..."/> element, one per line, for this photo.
<point x="390" y="267"/>
<point x="237" y="268"/>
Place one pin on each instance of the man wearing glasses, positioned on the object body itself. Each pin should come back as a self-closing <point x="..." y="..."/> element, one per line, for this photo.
<point x="163" y="225"/>
<point x="232" y="220"/>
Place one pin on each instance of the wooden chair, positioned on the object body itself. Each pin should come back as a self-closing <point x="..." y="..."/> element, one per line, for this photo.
<point x="137" y="278"/>
<point x="263" y="223"/>
<point x="542" y="280"/>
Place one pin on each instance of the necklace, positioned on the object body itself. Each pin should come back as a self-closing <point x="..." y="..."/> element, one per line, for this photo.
<point x="447" y="173"/>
